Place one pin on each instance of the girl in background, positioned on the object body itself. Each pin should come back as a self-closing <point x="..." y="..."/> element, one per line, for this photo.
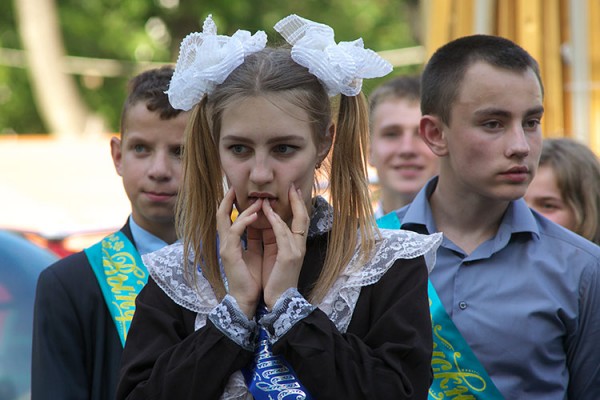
<point x="566" y="188"/>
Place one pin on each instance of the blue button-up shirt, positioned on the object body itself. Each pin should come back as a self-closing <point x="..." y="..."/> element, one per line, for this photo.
<point x="527" y="301"/>
<point x="145" y="242"/>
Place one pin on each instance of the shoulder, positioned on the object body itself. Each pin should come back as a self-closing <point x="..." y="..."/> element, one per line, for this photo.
<point x="165" y="260"/>
<point x="187" y="288"/>
<point x="73" y="267"/>
<point x="391" y="245"/>
<point x="69" y="280"/>
<point x="394" y="244"/>
<point x="554" y="235"/>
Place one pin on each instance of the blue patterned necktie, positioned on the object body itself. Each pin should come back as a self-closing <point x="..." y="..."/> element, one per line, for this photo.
<point x="270" y="376"/>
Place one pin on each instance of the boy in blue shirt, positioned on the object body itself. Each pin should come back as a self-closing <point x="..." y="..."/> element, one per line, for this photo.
<point x="523" y="291"/>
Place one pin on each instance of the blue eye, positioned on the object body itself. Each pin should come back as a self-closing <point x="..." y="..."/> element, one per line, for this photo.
<point x="284" y="149"/>
<point x="139" y="148"/>
<point x="238" y="149"/>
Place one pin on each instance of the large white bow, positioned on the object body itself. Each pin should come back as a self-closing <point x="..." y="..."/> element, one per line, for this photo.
<point x="206" y="60"/>
<point x="340" y="67"/>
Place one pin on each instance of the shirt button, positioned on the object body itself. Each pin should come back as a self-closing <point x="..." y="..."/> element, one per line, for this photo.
<point x="462" y="305"/>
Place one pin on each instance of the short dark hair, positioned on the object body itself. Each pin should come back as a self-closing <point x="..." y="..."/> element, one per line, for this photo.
<point x="406" y="87"/>
<point x="149" y="87"/>
<point x="445" y="71"/>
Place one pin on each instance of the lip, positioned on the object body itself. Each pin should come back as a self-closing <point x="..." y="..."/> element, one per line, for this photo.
<point x="408" y="171"/>
<point x="255" y="196"/>
<point x="408" y="167"/>
<point x="160" y="197"/>
<point x="517" y="174"/>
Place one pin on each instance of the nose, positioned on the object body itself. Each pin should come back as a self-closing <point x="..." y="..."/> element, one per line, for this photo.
<point x="160" y="166"/>
<point x="261" y="171"/>
<point x="518" y="142"/>
<point x="407" y="143"/>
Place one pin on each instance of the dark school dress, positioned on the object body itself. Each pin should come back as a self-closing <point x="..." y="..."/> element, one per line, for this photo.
<point x="383" y="350"/>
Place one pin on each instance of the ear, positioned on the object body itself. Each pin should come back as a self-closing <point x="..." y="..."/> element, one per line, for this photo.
<point x="431" y="130"/>
<point x="116" y="153"/>
<point x="326" y="143"/>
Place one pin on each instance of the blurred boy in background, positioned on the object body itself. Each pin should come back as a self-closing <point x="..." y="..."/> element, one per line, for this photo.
<point x="403" y="161"/>
<point x="84" y="303"/>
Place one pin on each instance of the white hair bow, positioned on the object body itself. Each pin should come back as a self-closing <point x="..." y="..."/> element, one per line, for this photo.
<point x="206" y="60"/>
<point x="340" y="67"/>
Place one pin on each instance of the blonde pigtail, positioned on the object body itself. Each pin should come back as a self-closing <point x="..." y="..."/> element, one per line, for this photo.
<point x="350" y="195"/>
<point x="198" y="204"/>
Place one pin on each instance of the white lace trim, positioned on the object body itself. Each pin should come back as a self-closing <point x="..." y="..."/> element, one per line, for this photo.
<point x="290" y="308"/>
<point x="230" y="320"/>
<point x="165" y="268"/>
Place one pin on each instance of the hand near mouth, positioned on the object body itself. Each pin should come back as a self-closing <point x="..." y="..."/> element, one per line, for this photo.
<point x="284" y="248"/>
<point x="242" y="267"/>
<point x="273" y="257"/>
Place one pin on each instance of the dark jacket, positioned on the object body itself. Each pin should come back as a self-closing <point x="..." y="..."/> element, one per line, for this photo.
<point x="76" y="347"/>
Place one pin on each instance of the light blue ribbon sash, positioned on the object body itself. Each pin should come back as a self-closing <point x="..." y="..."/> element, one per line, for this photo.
<point x="121" y="274"/>
<point x="457" y="373"/>
<point x="270" y="376"/>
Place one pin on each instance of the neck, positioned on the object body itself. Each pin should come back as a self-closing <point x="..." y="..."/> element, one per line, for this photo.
<point x="164" y="231"/>
<point x="466" y="221"/>
<point x="391" y="201"/>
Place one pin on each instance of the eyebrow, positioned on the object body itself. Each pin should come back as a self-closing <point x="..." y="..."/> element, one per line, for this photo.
<point x="503" y="113"/>
<point x="276" y="139"/>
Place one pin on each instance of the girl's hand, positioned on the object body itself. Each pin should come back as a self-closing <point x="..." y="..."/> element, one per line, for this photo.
<point x="283" y="248"/>
<point x="242" y="267"/>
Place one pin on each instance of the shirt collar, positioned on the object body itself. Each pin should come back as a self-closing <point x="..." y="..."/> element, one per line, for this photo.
<point x="518" y="218"/>
<point x="418" y="213"/>
<point x="145" y="242"/>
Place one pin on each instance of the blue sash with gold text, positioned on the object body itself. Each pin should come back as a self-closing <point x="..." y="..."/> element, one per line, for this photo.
<point x="457" y="373"/>
<point x="121" y="275"/>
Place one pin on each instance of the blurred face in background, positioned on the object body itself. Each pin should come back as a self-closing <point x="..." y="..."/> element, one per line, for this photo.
<point x="403" y="161"/>
<point x="544" y="196"/>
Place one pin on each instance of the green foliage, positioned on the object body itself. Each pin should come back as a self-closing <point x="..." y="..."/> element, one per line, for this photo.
<point x="149" y="30"/>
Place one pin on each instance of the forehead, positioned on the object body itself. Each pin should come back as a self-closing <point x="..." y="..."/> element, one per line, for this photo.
<point x="486" y="86"/>
<point x="143" y="124"/>
<point x="396" y="109"/>
<point x="264" y="116"/>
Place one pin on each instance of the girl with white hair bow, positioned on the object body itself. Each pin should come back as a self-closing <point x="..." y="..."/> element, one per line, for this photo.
<point x="294" y="298"/>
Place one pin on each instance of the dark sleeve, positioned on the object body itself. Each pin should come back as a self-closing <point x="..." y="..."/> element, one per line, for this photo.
<point x="386" y="352"/>
<point x="164" y="358"/>
<point x="58" y="369"/>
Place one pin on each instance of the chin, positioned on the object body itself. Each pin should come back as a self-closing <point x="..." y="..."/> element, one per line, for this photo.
<point x="261" y="222"/>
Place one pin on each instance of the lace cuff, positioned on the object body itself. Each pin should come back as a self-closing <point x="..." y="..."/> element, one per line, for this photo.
<point x="234" y="324"/>
<point x="287" y="311"/>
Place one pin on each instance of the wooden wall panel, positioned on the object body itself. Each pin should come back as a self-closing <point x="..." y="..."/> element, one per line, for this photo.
<point x="594" y="84"/>
<point x="463" y="18"/>
<point x="551" y="68"/>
